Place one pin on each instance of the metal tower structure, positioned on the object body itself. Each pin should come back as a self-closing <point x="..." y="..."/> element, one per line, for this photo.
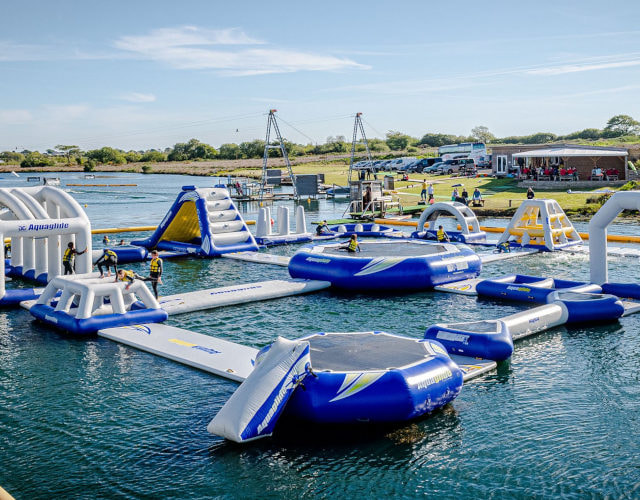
<point x="267" y="146"/>
<point x="357" y="125"/>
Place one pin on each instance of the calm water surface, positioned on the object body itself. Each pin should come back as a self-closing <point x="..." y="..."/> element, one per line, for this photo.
<point x="87" y="418"/>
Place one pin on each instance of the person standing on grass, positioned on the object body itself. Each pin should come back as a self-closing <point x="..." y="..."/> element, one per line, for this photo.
<point x="423" y="193"/>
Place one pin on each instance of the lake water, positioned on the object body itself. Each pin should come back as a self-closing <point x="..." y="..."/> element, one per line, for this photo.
<point x="87" y="418"/>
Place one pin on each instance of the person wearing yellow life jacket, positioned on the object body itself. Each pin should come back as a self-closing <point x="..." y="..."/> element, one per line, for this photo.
<point x="353" y="245"/>
<point x="442" y="235"/>
<point x="155" y="272"/>
<point x="125" y="275"/>
<point x="69" y="258"/>
<point x="107" y="259"/>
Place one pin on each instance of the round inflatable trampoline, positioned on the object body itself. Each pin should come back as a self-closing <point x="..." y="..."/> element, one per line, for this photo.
<point x="381" y="265"/>
<point x="373" y="377"/>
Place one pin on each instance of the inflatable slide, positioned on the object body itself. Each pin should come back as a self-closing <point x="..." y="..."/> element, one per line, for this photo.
<point x="202" y="222"/>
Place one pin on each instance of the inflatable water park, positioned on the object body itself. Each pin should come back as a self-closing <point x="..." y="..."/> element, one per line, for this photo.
<point x="330" y="377"/>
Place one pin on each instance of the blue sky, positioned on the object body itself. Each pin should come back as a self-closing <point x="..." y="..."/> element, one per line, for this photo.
<point x="143" y="74"/>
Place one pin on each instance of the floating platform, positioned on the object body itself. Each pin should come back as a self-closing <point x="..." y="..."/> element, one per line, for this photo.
<point x="214" y="355"/>
<point x="238" y="294"/>
<point x="259" y="258"/>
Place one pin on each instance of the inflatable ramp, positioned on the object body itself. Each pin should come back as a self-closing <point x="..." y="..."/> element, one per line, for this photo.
<point x="540" y="224"/>
<point x="202" y="222"/>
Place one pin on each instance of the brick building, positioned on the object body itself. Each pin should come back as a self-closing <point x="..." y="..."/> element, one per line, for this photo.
<point x="583" y="158"/>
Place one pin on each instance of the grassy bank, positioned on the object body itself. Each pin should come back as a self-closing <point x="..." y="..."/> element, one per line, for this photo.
<point x="502" y="196"/>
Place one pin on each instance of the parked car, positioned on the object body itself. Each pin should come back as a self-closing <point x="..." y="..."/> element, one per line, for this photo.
<point x="423" y="163"/>
<point x="408" y="167"/>
<point x="398" y="163"/>
<point x="461" y="165"/>
<point x="432" y="169"/>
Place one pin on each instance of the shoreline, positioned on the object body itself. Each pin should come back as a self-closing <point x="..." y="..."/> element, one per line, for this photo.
<point x="334" y="167"/>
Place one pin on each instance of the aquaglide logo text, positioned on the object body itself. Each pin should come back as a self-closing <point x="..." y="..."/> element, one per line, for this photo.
<point x="42" y="227"/>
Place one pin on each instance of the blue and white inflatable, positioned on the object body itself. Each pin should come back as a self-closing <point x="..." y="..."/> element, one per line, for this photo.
<point x="343" y="378"/>
<point x="371" y="230"/>
<point x="469" y="232"/>
<point x="524" y="288"/>
<point x="84" y="304"/>
<point x="493" y="339"/>
<point x="386" y="265"/>
<point x="202" y="222"/>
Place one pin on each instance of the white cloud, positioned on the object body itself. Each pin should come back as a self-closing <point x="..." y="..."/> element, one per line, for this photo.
<point x="576" y="68"/>
<point x="15" y="116"/>
<point x="10" y="51"/>
<point x="235" y="54"/>
<point x="138" y="97"/>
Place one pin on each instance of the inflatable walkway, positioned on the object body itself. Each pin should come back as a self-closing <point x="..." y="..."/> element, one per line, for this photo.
<point x="202" y="222"/>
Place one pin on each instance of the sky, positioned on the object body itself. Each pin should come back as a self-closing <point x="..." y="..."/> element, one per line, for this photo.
<point x="148" y="74"/>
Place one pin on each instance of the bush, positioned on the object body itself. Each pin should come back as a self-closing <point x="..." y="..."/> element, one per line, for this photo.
<point x="107" y="155"/>
<point x="89" y="166"/>
<point x="11" y="157"/>
<point x="36" y="159"/>
<point x="153" y="156"/>
<point x="146" y="169"/>
<point x="630" y="186"/>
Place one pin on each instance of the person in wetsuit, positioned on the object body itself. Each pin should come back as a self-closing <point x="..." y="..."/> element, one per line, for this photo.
<point x="69" y="258"/>
<point x="107" y="259"/>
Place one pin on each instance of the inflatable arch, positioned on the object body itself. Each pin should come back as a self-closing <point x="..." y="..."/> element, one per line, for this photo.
<point x="629" y="200"/>
<point x="469" y="226"/>
<point x="540" y="224"/>
<point x="41" y="221"/>
<point x="203" y="222"/>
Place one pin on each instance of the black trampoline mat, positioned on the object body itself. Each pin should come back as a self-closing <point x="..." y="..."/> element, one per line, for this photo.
<point x="389" y="249"/>
<point x="363" y="352"/>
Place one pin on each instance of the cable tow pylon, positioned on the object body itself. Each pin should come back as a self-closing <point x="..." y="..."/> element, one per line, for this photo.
<point x="267" y="146"/>
<point x="357" y="125"/>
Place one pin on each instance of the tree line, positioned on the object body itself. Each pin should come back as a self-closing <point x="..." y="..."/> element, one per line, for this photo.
<point x="618" y="127"/>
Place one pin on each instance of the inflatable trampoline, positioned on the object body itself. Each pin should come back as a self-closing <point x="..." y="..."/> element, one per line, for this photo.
<point x="386" y="265"/>
<point x="342" y="378"/>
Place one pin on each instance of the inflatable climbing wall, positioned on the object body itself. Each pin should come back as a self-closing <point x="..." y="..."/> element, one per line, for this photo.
<point x="203" y="222"/>
<point x="541" y="224"/>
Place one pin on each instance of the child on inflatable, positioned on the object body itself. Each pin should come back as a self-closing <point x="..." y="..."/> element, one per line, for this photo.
<point x="107" y="259"/>
<point x="322" y="228"/>
<point x="69" y="257"/>
<point x="130" y="276"/>
<point x="352" y="246"/>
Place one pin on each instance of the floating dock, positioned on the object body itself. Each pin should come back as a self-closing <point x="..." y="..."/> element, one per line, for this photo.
<point x="238" y="294"/>
<point x="259" y="258"/>
<point x="220" y="357"/>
